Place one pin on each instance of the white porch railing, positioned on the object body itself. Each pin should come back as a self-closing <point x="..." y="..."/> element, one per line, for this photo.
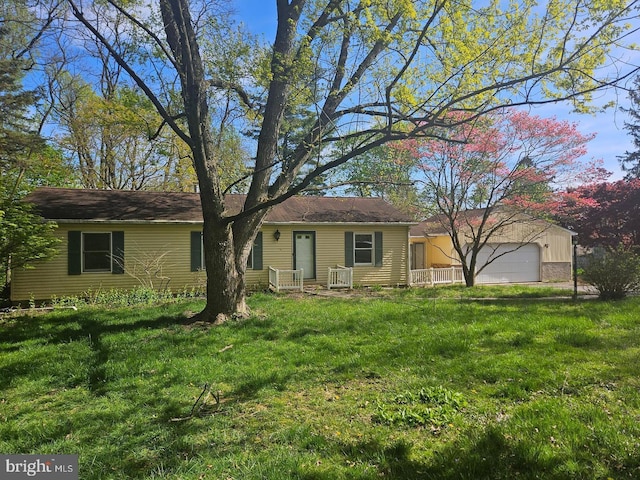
<point x="340" y="277"/>
<point x="434" y="276"/>
<point x="286" y="279"/>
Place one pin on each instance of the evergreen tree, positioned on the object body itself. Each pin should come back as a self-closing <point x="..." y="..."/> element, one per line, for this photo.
<point x="25" y="162"/>
<point x="16" y="139"/>
<point x="382" y="172"/>
<point x="630" y="161"/>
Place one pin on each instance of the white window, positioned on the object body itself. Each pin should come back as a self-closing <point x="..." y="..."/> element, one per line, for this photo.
<point x="96" y="252"/>
<point x="363" y="249"/>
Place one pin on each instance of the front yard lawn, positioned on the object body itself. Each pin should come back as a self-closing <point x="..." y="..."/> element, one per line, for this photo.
<point x="399" y="385"/>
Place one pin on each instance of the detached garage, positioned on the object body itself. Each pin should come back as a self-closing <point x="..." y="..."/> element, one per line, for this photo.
<point x="513" y="263"/>
<point x="525" y="250"/>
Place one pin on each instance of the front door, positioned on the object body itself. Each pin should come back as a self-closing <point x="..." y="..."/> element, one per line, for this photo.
<point x="417" y="256"/>
<point x="304" y="253"/>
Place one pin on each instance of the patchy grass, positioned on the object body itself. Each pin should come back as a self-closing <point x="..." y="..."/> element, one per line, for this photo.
<point x="395" y="385"/>
<point x="490" y="291"/>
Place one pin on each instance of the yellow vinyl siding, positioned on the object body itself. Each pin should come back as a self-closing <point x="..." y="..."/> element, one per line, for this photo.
<point x="554" y="241"/>
<point x="439" y="251"/>
<point x="330" y="252"/>
<point x="50" y="278"/>
<point x="557" y="246"/>
<point x="172" y="241"/>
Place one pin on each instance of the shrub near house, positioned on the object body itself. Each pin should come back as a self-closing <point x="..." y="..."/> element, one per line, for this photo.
<point x="614" y="274"/>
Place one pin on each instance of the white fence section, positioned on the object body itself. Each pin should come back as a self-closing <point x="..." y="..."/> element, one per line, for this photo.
<point x="340" y="277"/>
<point x="434" y="276"/>
<point x="286" y="279"/>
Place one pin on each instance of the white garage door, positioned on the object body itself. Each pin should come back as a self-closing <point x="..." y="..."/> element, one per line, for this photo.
<point x="521" y="265"/>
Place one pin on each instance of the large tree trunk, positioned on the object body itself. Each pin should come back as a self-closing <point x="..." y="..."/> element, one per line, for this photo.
<point x="227" y="246"/>
<point x="224" y="252"/>
<point x="225" y="282"/>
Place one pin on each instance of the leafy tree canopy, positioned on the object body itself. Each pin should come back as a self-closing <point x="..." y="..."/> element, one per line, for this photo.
<point x="17" y="139"/>
<point x="26" y="162"/>
<point x="481" y="177"/>
<point x="630" y="161"/>
<point x="605" y="214"/>
<point x="366" y="72"/>
<point x="382" y="172"/>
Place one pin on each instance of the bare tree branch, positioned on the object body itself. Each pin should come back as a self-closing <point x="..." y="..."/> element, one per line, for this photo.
<point x="77" y="12"/>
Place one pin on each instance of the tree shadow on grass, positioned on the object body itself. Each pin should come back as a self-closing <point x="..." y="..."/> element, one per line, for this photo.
<point x="249" y="387"/>
<point x="88" y="327"/>
<point x="51" y="328"/>
<point x="134" y="429"/>
<point x="491" y="456"/>
<point x="488" y="456"/>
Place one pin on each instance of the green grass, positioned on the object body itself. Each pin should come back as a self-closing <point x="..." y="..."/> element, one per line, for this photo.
<point x="394" y="384"/>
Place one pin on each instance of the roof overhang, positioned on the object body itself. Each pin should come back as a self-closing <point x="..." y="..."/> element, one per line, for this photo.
<point x="200" y="222"/>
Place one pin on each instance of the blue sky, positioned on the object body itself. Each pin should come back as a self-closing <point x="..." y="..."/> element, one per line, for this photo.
<point x="611" y="139"/>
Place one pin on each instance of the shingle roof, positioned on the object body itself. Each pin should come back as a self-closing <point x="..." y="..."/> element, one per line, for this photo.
<point x="426" y="228"/>
<point x="69" y="204"/>
<point x="436" y="225"/>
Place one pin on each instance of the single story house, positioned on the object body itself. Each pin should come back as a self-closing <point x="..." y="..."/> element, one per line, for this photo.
<point x="525" y="250"/>
<point x="112" y="239"/>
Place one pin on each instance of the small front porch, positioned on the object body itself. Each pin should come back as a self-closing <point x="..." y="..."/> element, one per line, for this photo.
<point x="430" y="265"/>
<point x="435" y="276"/>
<point x="338" y="277"/>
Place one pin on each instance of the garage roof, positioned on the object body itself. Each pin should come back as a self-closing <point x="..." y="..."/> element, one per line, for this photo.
<point x="435" y="225"/>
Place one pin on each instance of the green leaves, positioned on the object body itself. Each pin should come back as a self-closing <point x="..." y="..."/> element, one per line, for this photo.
<point x="431" y="406"/>
<point x="614" y="274"/>
<point x="24" y="237"/>
<point x="367" y="72"/>
<point x="25" y="162"/>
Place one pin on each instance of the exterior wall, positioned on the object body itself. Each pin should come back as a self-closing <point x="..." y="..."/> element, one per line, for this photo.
<point x="50" y="278"/>
<point x="330" y="246"/>
<point x="554" y="242"/>
<point x="555" y="247"/>
<point x="438" y="252"/>
<point x="556" y="272"/>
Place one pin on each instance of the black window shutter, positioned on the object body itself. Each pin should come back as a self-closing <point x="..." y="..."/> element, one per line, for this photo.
<point x="117" y="249"/>
<point x="378" y="249"/>
<point x="257" y="252"/>
<point x="348" y="249"/>
<point x="196" y="251"/>
<point x="74" y="252"/>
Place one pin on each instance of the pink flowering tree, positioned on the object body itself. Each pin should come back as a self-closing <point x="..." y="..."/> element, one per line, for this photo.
<point x="481" y="177"/>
